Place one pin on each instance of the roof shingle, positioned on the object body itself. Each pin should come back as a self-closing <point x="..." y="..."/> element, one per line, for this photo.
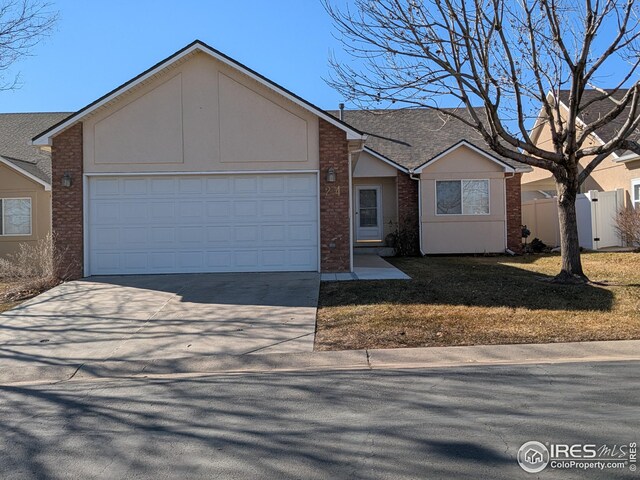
<point x="16" y="131"/>
<point x="414" y="136"/>
<point x="598" y="109"/>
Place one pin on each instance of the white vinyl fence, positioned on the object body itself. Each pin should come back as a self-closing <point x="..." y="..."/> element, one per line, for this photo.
<point x="596" y="213"/>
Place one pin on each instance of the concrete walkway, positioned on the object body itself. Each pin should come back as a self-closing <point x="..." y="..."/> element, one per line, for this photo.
<point x="368" y="267"/>
<point x="151" y="317"/>
<point x="401" y="358"/>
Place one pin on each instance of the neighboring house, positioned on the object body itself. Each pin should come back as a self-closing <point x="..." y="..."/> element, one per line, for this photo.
<point x="620" y="170"/>
<point x="200" y="164"/>
<point x="25" y="180"/>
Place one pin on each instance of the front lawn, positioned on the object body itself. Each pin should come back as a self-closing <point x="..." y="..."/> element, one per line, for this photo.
<point x="5" y="304"/>
<point x="481" y="301"/>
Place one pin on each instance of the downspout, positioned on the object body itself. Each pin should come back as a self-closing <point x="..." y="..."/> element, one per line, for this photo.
<point x="351" y="207"/>
<point x="417" y="179"/>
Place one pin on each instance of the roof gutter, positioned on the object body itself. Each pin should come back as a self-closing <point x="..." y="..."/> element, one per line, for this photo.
<point x="629" y="157"/>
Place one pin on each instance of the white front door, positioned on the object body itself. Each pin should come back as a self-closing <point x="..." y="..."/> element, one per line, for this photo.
<point x="368" y="213"/>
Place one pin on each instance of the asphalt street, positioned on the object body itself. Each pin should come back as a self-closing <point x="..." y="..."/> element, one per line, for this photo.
<point x="462" y="423"/>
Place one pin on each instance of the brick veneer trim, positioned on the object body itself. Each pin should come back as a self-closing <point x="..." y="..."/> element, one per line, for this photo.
<point x="335" y="228"/>
<point x="408" y="209"/>
<point x="67" y="204"/>
<point x="514" y="211"/>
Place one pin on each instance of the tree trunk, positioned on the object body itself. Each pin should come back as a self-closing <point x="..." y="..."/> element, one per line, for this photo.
<point x="569" y="244"/>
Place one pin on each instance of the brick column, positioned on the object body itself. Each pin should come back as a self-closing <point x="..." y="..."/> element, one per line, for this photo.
<point x="514" y="212"/>
<point x="408" y="208"/>
<point x="66" y="203"/>
<point x="335" y="247"/>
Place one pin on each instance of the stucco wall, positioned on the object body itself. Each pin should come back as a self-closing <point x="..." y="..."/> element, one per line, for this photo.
<point x="13" y="185"/>
<point x="369" y="166"/>
<point x="200" y="115"/>
<point x="463" y="233"/>
<point x="607" y="176"/>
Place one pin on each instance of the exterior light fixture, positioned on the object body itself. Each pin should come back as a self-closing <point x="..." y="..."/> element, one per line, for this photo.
<point x="66" y="180"/>
<point x="331" y="175"/>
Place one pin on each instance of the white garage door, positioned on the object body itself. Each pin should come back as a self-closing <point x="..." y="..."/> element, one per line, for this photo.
<point x="203" y="223"/>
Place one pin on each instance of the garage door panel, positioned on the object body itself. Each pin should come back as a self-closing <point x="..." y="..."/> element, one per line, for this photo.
<point x="190" y="185"/>
<point x="301" y="184"/>
<point x="246" y="208"/>
<point x="273" y="233"/>
<point x="272" y="208"/>
<point x="245" y="185"/>
<point x="218" y="185"/>
<point x="134" y="236"/>
<point x="219" y="209"/>
<point x="218" y="261"/>
<point x="134" y="186"/>
<point x="219" y="234"/>
<point x="105" y="186"/>
<point x="162" y="186"/>
<point x="273" y="184"/>
<point x="161" y="211"/>
<point x="225" y="223"/>
<point x="191" y="235"/>
<point x="134" y="212"/>
<point x="300" y="257"/>
<point x="190" y="260"/>
<point x="300" y="208"/>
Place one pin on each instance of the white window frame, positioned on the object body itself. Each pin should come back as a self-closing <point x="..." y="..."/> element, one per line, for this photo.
<point x="461" y="214"/>
<point x="3" y="234"/>
<point x="635" y="202"/>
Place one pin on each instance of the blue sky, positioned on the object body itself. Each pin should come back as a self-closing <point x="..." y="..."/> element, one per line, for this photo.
<point x="98" y="44"/>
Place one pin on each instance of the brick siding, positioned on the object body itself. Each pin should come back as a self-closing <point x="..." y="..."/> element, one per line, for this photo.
<point x="514" y="212"/>
<point x="66" y="203"/>
<point x="335" y="247"/>
<point x="408" y="207"/>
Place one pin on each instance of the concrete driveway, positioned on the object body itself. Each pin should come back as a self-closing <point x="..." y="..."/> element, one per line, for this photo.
<point x="162" y="316"/>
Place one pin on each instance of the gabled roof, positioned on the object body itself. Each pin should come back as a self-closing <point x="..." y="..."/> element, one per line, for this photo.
<point x="600" y="108"/>
<point x="384" y="159"/>
<point x="44" y="138"/>
<point x="464" y="143"/>
<point x="16" y="130"/>
<point x="412" y="137"/>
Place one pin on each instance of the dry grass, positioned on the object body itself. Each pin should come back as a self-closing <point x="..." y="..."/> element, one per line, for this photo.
<point x="4" y="303"/>
<point x="482" y="300"/>
<point x="27" y="272"/>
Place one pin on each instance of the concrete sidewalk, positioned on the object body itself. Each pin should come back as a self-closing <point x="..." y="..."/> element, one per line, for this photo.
<point x="430" y="357"/>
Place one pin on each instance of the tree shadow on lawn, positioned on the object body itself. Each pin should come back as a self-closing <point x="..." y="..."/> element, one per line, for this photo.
<point x="463" y="282"/>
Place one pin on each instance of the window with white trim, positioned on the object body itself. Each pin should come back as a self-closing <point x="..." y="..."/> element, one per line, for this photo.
<point x="15" y="216"/>
<point x="462" y="197"/>
<point x="635" y="192"/>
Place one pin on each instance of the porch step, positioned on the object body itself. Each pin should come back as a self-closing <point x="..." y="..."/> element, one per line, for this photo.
<point x="380" y="251"/>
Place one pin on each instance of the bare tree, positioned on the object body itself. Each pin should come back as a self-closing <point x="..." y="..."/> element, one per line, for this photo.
<point x="23" y="23"/>
<point x="511" y="58"/>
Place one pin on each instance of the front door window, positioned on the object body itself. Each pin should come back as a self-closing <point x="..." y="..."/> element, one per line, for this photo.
<point x="368" y="208"/>
<point x="368" y="213"/>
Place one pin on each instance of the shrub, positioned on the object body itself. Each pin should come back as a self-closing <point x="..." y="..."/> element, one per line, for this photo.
<point x="537" y="245"/>
<point x="405" y="240"/>
<point x="30" y="269"/>
<point x="628" y="226"/>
